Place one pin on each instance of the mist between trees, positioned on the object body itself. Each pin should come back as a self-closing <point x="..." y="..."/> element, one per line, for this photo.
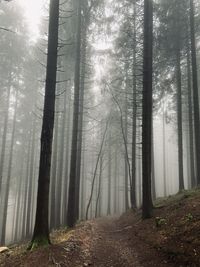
<point x="98" y="114"/>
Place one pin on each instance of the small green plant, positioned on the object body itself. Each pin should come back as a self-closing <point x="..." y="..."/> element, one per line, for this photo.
<point x="189" y="217"/>
<point x="160" y="221"/>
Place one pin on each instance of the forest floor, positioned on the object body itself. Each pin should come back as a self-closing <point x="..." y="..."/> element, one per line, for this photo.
<point x="170" y="238"/>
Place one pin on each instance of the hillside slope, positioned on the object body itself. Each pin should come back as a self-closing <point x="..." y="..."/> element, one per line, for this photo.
<point x="170" y="238"/>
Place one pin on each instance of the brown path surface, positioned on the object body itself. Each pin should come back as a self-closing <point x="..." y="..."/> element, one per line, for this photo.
<point x="126" y="241"/>
<point x="109" y="246"/>
<point x="104" y="242"/>
<point x="113" y="245"/>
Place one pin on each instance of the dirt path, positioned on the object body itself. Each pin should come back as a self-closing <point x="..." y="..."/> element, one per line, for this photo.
<point x="109" y="246"/>
<point x="112" y="245"/>
<point x="104" y="242"/>
<point x="123" y="241"/>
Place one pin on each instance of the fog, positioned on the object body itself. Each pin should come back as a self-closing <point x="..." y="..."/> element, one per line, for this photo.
<point x="109" y="129"/>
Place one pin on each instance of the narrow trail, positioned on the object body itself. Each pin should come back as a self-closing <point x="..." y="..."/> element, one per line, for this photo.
<point x="103" y="242"/>
<point x="113" y="244"/>
<point x="125" y="241"/>
<point x="109" y="246"/>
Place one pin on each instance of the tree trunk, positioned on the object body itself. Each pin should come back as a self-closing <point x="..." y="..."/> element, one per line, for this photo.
<point x="25" y="197"/>
<point x="115" y="180"/>
<point x="3" y="147"/>
<point x="80" y="131"/>
<point x="18" y="205"/>
<point x="153" y="183"/>
<point x="190" y="116"/>
<point x="30" y="185"/>
<point x="195" y="92"/>
<point x="71" y="211"/>
<point x="66" y="178"/>
<point x="98" y="201"/>
<point x="95" y="171"/>
<point x="54" y="175"/>
<point x="164" y="148"/>
<point x="179" y="119"/>
<point x="126" y="173"/>
<point x="83" y="181"/>
<point x="41" y="229"/>
<point x="109" y="173"/>
<point x="5" y="206"/>
<point x="147" y="109"/>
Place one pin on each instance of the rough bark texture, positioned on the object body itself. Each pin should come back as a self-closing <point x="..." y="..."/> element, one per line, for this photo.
<point x="179" y="118"/>
<point x="195" y="92"/>
<point x="80" y="130"/>
<point x="66" y="174"/>
<point x="71" y="212"/>
<point x="41" y="229"/>
<point x="126" y="173"/>
<point x="109" y="173"/>
<point x="147" y="109"/>
<point x="53" y="176"/>
<point x="134" y="117"/>
<point x="190" y="117"/>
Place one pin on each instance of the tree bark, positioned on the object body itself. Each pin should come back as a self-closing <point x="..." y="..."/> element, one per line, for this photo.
<point x="3" y="147"/>
<point x="54" y="175"/>
<point x="5" y="206"/>
<point x="147" y="109"/>
<point x="190" y="116"/>
<point x="41" y="229"/>
<point x="179" y="119"/>
<point x="195" y="92"/>
<point x="80" y="130"/>
<point x="95" y="171"/>
<point x="109" y="173"/>
<point x="134" y="116"/>
<point x="71" y="211"/>
<point x="31" y="181"/>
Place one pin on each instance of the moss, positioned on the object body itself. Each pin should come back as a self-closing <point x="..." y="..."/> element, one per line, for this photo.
<point x="160" y="221"/>
<point x="37" y="242"/>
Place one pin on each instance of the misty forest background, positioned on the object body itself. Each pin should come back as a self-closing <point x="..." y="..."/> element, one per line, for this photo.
<point x="100" y="53"/>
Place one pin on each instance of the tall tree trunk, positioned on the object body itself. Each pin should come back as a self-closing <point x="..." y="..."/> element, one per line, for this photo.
<point x="4" y="137"/>
<point x="83" y="181"/>
<point x="164" y="148"/>
<point x="41" y="229"/>
<point x="153" y="183"/>
<point x="80" y="130"/>
<point x="5" y="206"/>
<point x="134" y="115"/>
<point x="195" y="92"/>
<point x="126" y="154"/>
<point x="109" y="173"/>
<point x="60" y="167"/>
<point x="54" y="175"/>
<point x="71" y="211"/>
<point x="61" y="163"/>
<point x="18" y="205"/>
<point x="147" y="109"/>
<point x="95" y="171"/>
<point x="190" y="116"/>
<point x="179" y="119"/>
<point x="115" y="180"/>
<point x="25" y="197"/>
<point x="98" y="201"/>
<point x="30" y="185"/>
<point x="66" y="174"/>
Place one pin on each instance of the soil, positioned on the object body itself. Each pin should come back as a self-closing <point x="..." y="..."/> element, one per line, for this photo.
<point x="170" y="238"/>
